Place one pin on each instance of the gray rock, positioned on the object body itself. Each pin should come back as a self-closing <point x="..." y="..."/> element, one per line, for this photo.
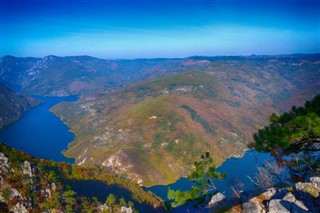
<point x="295" y="205"/>
<point x="289" y="197"/>
<point x="26" y="168"/>
<point x="53" y="187"/>
<point x="4" y="166"/>
<point x="19" y="208"/>
<point x="14" y="193"/>
<point x="3" y="159"/>
<point x="298" y="207"/>
<point x="126" y="209"/>
<point x="216" y="198"/>
<point x="315" y="181"/>
<point x="278" y="206"/>
<point x="252" y="207"/>
<point x="103" y="208"/>
<point x="300" y="186"/>
<point x="269" y="193"/>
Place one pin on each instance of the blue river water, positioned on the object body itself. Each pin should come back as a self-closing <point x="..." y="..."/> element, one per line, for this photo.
<point x="39" y="132"/>
<point x="238" y="172"/>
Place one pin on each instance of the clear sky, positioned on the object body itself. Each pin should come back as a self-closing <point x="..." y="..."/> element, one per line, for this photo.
<point x="158" y="28"/>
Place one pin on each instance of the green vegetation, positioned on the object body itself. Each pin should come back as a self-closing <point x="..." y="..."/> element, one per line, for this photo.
<point x="292" y="131"/>
<point x="203" y="186"/>
<point x="62" y="195"/>
<point x="197" y="118"/>
<point x="297" y="133"/>
<point x="13" y="105"/>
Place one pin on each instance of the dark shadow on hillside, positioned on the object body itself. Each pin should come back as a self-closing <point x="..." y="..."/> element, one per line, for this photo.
<point x="100" y="190"/>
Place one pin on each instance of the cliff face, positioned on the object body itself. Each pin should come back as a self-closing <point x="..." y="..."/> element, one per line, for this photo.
<point x="12" y="105"/>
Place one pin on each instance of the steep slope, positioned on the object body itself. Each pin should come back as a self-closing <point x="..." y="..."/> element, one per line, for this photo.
<point x="36" y="185"/>
<point x="12" y="105"/>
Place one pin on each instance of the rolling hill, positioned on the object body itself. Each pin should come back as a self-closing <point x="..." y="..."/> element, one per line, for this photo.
<point x="154" y="130"/>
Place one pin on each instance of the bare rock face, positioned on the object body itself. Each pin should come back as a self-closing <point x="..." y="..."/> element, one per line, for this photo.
<point x="26" y="168"/>
<point x="103" y="208"/>
<point x="3" y="164"/>
<point x="278" y="206"/>
<point x="126" y="209"/>
<point x="216" y="199"/>
<point x="252" y="207"/>
<point x="19" y="208"/>
<point x="315" y="181"/>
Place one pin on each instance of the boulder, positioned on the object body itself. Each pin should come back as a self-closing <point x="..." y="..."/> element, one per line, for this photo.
<point x="269" y="193"/>
<point x="295" y="205"/>
<point x="216" y="199"/>
<point x="252" y="207"/>
<point x="278" y="206"/>
<point x="26" y="168"/>
<point x="126" y="209"/>
<point x="315" y="181"/>
<point x="19" y="208"/>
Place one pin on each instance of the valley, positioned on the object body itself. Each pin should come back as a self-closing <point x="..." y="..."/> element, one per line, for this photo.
<point x="152" y="130"/>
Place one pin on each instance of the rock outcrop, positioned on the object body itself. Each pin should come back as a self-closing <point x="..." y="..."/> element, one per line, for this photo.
<point x="303" y="198"/>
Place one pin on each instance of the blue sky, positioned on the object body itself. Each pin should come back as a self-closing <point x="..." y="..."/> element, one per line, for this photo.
<point x="159" y="28"/>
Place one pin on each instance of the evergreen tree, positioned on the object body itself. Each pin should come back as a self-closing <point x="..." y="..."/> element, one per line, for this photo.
<point x="202" y="178"/>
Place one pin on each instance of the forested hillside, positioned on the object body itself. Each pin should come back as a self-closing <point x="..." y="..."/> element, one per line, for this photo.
<point x="38" y="185"/>
<point x="13" y="105"/>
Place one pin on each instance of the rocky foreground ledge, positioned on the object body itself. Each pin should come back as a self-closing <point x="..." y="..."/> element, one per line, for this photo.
<point x="303" y="197"/>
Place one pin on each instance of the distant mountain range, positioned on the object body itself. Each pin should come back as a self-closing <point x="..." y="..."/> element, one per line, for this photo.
<point x="151" y="118"/>
<point x="74" y="75"/>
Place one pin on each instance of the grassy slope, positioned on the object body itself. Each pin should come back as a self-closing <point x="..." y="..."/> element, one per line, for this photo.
<point x="216" y="109"/>
<point x="194" y="113"/>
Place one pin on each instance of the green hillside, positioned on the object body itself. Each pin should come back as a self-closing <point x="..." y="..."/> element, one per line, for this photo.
<point x="12" y="105"/>
<point x="154" y="130"/>
<point x="36" y="185"/>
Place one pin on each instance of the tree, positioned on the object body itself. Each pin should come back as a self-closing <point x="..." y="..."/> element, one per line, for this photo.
<point x="295" y="132"/>
<point x="69" y="200"/>
<point x="203" y="187"/>
<point x="111" y="200"/>
<point x="130" y="204"/>
<point x="122" y="202"/>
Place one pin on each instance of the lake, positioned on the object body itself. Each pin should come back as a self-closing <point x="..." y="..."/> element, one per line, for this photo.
<point x="39" y="132"/>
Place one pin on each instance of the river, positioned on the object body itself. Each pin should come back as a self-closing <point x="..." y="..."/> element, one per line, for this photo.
<point x="39" y="132"/>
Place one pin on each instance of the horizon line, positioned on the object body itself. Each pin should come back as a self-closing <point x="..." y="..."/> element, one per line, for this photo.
<point x="139" y="58"/>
